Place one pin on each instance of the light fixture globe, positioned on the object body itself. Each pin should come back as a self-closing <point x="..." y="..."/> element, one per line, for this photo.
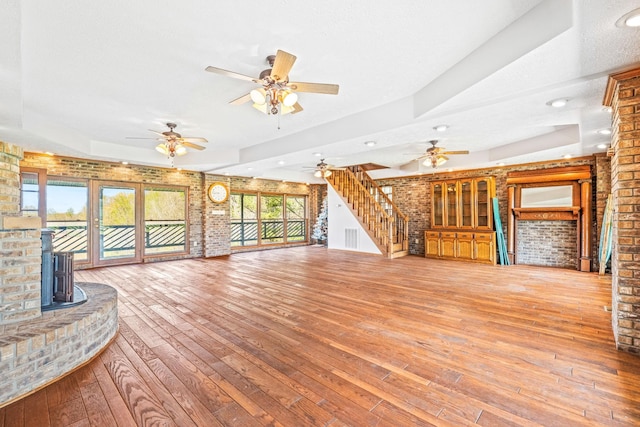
<point x="317" y="174"/>
<point x="180" y="150"/>
<point x="289" y="98"/>
<point x="258" y="96"/>
<point x="162" y="148"/>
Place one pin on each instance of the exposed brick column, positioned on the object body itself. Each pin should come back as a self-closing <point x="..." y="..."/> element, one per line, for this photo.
<point x="20" y="246"/>
<point x="623" y="95"/>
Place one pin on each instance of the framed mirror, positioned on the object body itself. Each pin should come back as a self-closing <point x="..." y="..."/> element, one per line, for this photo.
<point x="556" y="196"/>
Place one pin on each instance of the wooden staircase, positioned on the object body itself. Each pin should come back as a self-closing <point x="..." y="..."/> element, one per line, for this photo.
<point x="388" y="228"/>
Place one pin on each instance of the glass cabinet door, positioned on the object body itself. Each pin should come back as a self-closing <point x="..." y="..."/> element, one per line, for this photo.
<point x="452" y="204"/>
<point x="466" y="204"/>
<point x="483" y="200"/>
<point x="437" y="205"/>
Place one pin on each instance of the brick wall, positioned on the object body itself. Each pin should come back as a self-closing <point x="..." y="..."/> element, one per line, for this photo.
<point x="547" y="243"/>
<point x="216" y="221"/>
<point x="412" y="195"/>
<point x="623" y="95"/>
<point x="20" y="246"/>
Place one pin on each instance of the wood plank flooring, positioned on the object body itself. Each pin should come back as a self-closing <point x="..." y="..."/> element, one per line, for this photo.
<point x="313" y="337"/>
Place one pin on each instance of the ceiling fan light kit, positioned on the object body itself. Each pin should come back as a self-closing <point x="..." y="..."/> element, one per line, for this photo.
<point x="173" y="144"/>
<point x="277" y="94"/>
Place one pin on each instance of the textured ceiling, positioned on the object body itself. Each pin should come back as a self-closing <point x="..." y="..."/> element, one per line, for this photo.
<point x="78" y="78"/>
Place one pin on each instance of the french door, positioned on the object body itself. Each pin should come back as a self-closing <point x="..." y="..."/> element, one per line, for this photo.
<point x="117" y="223"/>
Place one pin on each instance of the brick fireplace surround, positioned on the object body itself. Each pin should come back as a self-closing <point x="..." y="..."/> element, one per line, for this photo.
<point x="38" y="348"/>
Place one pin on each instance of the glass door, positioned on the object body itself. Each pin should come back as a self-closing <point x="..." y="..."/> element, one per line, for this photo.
<point x="116" y="223"/>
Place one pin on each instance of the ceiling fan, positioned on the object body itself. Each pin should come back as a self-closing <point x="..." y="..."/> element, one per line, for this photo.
<point x="277" y="94"/>
<point x="172" y="143"/>
<point x="323" y="170"/>
<point x="437" y="156"/>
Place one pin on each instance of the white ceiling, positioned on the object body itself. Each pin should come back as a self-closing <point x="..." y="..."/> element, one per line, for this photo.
<point x="77" y="78"/>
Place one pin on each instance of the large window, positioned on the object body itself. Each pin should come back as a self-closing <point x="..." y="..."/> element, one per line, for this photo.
<point x="244" y="219"/>
<point x="296" y="219"/>
<point x="67" y="202"/>
<point x="264" y="219"/>
<point x="107" y="222"/>
<point x="165" y="220"/>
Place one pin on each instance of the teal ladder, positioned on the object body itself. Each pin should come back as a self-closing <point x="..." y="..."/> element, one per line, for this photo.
<point x="502" y="245"/>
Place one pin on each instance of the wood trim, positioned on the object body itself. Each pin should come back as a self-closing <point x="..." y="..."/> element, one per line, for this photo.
<point x="546" y="214"/>
<point x="613" y="81"/>
<point x="569" y="173"/>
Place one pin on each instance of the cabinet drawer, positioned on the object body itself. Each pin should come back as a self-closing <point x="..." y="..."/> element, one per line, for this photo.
<point x="432" y="234"/>
<point x="465" y="236"/>
<point x="448" y="235"/>
<point x="484" y="237"/>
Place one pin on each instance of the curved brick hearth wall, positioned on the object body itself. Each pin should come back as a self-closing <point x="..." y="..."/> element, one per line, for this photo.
<point x="36" y="353"/>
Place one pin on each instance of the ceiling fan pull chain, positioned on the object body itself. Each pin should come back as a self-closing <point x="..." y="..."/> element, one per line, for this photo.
<point x="279" y="114"/>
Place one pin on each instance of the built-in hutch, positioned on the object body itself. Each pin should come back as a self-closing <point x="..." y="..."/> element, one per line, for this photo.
<point x="461" y="220"/>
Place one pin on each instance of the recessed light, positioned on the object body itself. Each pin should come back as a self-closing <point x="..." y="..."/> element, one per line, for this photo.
<point x="449" y="170"/>
<point x="558" y="103"/>
<point x="226" y="173"/>
<point x="370" y="143"/>
<point x="500" y="164"/>
<point x="179" y="169"/>
<point x="281" y="162"/>
<point x="601" y="146"/>
<point x="249" y="168"/>
<point x="604" y="131"/>
<point x="48" y="153"/>
<point x="440" y="128"/>
<point x="125" y="163"/>
<point x="631" y="19"/>
<point x="317" y="154"/>
<point x="567" y="156"/>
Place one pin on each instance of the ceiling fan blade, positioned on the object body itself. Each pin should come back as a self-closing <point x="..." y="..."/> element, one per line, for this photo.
<point x="190" y="145"/>
<point x="325" y="88"/>
<point x="282" y="65"/>
<point x="193" y="139"/>
<point x="138" y="137"/>
<point x="156" y="132"/>
<point x="241" y="100"/>
<point x="296" y="108"/>
<point x="230" y="74"/>
<point x="455" y="152"/>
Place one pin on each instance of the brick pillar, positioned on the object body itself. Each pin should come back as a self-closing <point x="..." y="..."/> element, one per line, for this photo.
<point x="20" y="246"/>
<point x="623" y="95"/>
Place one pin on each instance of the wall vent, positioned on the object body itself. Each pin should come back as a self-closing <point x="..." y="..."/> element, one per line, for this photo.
<point x="351" y="238"/>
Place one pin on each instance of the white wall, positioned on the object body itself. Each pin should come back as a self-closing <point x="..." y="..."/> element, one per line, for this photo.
<point x="340" y="218"/>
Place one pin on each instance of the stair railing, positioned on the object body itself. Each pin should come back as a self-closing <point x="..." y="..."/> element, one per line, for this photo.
<point x="388" y="227"/>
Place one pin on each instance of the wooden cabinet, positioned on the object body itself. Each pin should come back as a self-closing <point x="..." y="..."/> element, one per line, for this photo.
<point x="478" y="246"/>
<point x="484" y="245"/>
<point x="462" y="203"/>
<point x="461" y="220"/>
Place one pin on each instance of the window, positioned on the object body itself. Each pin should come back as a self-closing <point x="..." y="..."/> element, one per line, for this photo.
<point x="165" y="220"/>
<point x="67" y="202"/>
<point x="264" y="219"/>
<point x="244" y="219"/>
<point x="272" y="224"/>
<point x="30" y="194"/>
<point x="296" y="219"/>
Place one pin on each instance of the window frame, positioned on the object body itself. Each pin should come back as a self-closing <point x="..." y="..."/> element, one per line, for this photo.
<point x="285" y="240"/>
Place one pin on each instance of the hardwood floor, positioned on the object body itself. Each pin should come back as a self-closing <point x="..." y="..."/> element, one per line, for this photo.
<point x="313" y="337"/>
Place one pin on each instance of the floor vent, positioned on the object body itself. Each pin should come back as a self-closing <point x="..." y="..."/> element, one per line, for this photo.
<point x="351" y="238"/>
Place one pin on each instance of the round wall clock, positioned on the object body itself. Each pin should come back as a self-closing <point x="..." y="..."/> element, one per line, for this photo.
<point x="218" y="192"/>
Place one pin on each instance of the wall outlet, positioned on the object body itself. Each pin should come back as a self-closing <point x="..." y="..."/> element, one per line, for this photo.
<point x="417" y="241"/>
<point x="195" y="243"/>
